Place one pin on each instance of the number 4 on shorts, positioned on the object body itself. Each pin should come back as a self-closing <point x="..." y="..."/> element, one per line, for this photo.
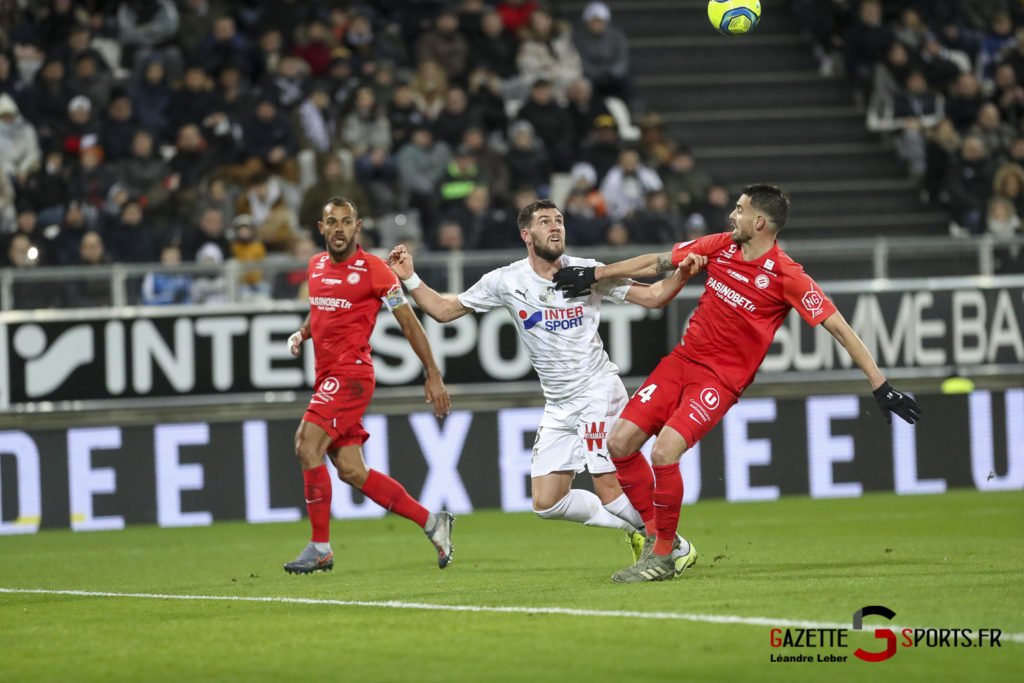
<point x="645" y="392"/>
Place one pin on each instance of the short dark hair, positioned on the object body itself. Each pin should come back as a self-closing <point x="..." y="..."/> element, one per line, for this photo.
<point x="526" y="214"/>
<point x="338" y="200"/>
<point x="770" y="200"/>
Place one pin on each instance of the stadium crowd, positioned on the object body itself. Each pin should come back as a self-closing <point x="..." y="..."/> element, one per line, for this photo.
<point x="206" y="130"/>
<point x="945" y="79"/>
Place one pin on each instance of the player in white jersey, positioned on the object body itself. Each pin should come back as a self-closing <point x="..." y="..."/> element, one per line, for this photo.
<point x="581" y="385"/>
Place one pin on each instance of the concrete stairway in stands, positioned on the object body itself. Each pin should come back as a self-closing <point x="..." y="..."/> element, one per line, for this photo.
<point x="754" y="108"/>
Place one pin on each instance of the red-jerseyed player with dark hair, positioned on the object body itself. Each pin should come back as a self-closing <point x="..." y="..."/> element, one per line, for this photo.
<point x="751" y="286"/>
<point x="347" y="287"/>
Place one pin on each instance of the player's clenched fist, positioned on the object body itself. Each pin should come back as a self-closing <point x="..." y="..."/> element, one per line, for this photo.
<point x="295" y="342"/>
<point x="693" y="264"/>
<point x="400" y="261"/>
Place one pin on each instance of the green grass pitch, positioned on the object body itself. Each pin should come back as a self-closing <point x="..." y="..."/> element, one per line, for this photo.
<point x="947" y="561"/>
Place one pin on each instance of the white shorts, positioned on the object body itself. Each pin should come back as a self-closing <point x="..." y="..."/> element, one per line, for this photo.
<point x="572" y="435"/>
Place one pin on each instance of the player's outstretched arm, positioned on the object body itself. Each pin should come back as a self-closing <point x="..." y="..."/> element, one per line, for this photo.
<point x="299" y="336"/>
<point x="441" y="307"/>
<point x="889" y="400"/>
<point x="663" y="291"/>
<point x="434" y="387"/>
<point x="576" y="280"/>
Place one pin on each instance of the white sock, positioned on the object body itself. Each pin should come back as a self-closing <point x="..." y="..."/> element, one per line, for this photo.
<point x="684" y="545"/>
<point x="623" y="509"/>
<point x="583" y="507"/>
<point x="322" y="547"/>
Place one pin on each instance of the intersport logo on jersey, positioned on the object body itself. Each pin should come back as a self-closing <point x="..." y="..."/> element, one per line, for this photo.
<point x="553" y="319"/>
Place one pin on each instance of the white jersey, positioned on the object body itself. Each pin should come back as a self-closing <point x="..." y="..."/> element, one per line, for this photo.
<point x="559" y="334"/>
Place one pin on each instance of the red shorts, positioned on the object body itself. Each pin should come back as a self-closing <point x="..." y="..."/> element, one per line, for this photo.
<point x="681" y="394"/>
<point x="338" y="405"/>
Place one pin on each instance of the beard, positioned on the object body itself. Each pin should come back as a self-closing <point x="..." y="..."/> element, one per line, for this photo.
<point x="737" y="238"/>
<point x="547" y="253"/>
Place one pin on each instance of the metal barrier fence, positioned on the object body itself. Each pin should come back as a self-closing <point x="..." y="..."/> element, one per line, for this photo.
<point x="119" y="285"/>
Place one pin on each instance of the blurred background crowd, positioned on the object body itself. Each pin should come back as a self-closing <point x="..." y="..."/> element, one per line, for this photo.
<point x="210" y="130"/>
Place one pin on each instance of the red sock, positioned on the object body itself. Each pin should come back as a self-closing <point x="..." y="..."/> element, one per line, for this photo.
<point x="637" y="482"/>
<point x="668" y="496"/>
<point x="389" y="494"/>
<point x="318" y="502"/>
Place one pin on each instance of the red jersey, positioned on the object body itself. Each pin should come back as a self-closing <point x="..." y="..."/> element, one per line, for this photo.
<point x="743" y="304"/>
<point x="344" y="300"/>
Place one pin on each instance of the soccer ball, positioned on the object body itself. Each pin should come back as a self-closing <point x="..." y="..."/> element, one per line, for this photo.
<point x="734" y="17"/>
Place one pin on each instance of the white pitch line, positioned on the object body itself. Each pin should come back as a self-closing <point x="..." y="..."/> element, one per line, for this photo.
<point x="565" y="611"/>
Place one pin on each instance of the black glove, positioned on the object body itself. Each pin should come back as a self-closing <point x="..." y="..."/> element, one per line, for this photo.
<point x="892" y="401"/>
<point x="575" y="280"/>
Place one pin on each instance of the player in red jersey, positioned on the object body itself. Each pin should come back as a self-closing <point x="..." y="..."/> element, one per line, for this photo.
<point x="751" y="286"/>
<point x="346" y="289"/>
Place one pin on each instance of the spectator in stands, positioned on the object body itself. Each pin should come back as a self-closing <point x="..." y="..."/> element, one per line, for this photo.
<point x="626" y="184"/>
<point x="195" y="22"/>
<point x="655" y="223"/>
<point x="80" y="128"/>
<point x="1003" y="222"/>
<point x="47" y="191"/>
<point x="911" y="29"/>
<point x="314" y="46"/>
<point x="144" y="173"/>
<point x="890" y="74"/>
<point x="865" y="43"/>
<point x="10" y="83"/>
<point x="449" y="236"/>
<point x="969" y="184"/>
<point x="286" y="84"/>
<point x="584" y="179"/>
<point x="403" y="115"/>
<point x="446" y="45"/>
<point x="685" y="183"/>
<point x="224" y="47"/>
<point x="421" y="164"/>
<point x="491" y="164"/>
<point x="1008" y="184"/>
<point x="210" y="289"/>
<point x="454" y="117"/>
<point x="315" y="121"/>
<point x="193" y="159"/>
<point x="997" y="39"/>
<point x="22" y="253"/>
<point x="47" y="101"/>
<point x="583" y="109"/>
<point x="716" y="208"/>
<point x="964" y="102"/>
<point x="208" y="230"/>
<point x="655" y="147"/>
<point x="90" y="80"/>
<point x="516" y="13"/>
<point x="366" y="46"/>
<point x="264" y="201"/>
<point x="367" y="125"/>
<point x="294" y="284"/>
<point x="494" y="47"/>
<point x="617" y="234"/>
<point x="160" y="288"/>
<point x="193" y="101"/>
<point x="331" y="183"/>
<point x="916" y="109"/>
<point x="118" y="127"/>
<point x="528" y="162"/>
<point x="942" y="144"/>
<point x="997" y="135"/>
<point x="942" y="66"/>
<point x="89" y="292"/>
<point x="147" y="29"/>
<point x="482" y="225"/>
<point x="7" y="205"/>
<point x="269" y="139"/>
<point x="377" y="172"/>
<point x="551" y="123"/>
<point x="602" y="148"/>
<point x="430" y="85"/>
<point x="91" y="179"/>
<point x="129" y="238"/>
<point x="460" y="176"/>
<point x="583" y="226"/>
<point x="151" y="97"/>
<point x="249" y="251"/>
<point x="604" y="52"/>
<point x="547" y="53"/>
<point x="486" y="103"/>
<point x="1008" y="95"/>
<point x="19" y="144"/>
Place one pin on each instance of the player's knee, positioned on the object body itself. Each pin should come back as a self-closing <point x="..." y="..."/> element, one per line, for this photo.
<point x="618" y="445"/>
<point x="353" y="474"/>
<point x="665" y="455"/>
<point x="544" y="505"/>
<point x="307" y="453"/>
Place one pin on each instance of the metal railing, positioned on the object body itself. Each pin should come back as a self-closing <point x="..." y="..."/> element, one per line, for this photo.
<point x="121" y="284"/>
